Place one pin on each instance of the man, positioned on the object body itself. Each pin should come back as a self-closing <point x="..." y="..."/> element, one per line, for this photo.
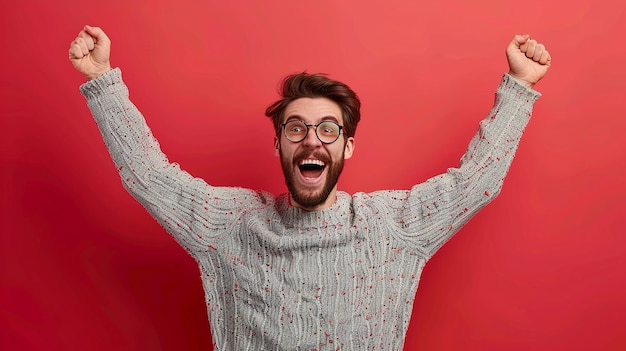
<point x="315" y="268"/>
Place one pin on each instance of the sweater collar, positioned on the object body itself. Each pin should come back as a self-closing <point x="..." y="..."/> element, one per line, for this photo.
<point x="340" y="213"/>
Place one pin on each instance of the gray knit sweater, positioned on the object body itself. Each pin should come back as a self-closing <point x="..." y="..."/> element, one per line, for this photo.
<point x="279" y="278"/>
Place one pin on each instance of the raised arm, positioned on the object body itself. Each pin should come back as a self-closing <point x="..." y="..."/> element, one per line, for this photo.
<point x="195" y="213"/>
<point x="430" y="213"/>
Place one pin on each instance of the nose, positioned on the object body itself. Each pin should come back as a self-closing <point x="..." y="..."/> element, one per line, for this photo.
<point x="311" y="139"/>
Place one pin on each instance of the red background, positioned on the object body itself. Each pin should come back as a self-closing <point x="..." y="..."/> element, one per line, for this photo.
<point x="83" y="267"/>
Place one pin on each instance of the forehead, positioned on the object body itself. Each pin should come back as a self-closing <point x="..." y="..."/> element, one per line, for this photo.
<point x="313" y="110"/>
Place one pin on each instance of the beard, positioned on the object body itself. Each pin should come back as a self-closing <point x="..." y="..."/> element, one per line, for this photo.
<point x="311" y="198"/>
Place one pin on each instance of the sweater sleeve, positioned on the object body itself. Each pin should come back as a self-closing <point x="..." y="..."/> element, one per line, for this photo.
<point x="427" y="216"/>
<point x="193" y="212"/>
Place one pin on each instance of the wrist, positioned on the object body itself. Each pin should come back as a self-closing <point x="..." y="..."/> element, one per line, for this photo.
<point x="97" y="73"/>
<point x="522" y="81"/>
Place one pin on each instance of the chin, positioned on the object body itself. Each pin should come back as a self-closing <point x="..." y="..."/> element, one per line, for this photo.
<point x="309" y="200"/>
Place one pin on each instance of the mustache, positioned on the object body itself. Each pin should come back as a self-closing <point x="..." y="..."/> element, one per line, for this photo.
<point x="312" y="153"/>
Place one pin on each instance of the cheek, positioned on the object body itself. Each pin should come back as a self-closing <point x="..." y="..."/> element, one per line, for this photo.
<point x="283" y="150"/>
<point x="337" y="155"/>
<point x="340" y="152"/>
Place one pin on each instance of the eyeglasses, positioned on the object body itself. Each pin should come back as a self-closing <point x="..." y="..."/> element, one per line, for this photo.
<point x="327" y="132"/>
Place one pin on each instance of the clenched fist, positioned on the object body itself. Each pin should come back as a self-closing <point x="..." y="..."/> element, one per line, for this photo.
<point x="90" y="52"/>
<point x="528" y="60"/>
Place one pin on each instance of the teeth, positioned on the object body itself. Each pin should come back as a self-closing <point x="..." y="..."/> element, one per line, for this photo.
<point x="312" y="162"/>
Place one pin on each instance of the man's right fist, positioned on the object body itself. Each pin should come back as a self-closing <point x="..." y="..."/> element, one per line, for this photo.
<point x="90" y="52"/>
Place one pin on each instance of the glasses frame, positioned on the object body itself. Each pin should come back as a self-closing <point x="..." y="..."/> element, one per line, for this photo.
<point x="308" y="126"/>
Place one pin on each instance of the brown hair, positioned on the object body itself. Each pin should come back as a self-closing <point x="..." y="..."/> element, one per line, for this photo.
<point x="303" y="84"/>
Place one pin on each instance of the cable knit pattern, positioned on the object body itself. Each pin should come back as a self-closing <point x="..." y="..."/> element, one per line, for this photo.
<point x="278" y="278"/>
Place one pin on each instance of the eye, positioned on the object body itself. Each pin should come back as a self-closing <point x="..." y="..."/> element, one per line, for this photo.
<point x="328" y="128"/>
<point x="295" y="127"/>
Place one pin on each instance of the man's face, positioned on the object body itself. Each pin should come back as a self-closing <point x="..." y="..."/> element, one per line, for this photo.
<point x="312" y="168"/>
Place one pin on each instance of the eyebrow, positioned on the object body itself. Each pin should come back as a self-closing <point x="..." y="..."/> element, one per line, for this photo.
<point x="300" y="118"/>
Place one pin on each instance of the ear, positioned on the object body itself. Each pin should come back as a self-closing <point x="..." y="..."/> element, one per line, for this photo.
<point x="276" y="146"/>
<point x="349" y="148"/>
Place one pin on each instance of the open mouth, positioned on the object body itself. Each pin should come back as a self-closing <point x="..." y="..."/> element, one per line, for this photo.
<point x="311" y="169"/>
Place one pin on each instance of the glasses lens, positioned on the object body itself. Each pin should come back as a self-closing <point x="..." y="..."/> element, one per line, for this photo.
<point x="295" y="131"/>
<point x="328" y="132"/>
